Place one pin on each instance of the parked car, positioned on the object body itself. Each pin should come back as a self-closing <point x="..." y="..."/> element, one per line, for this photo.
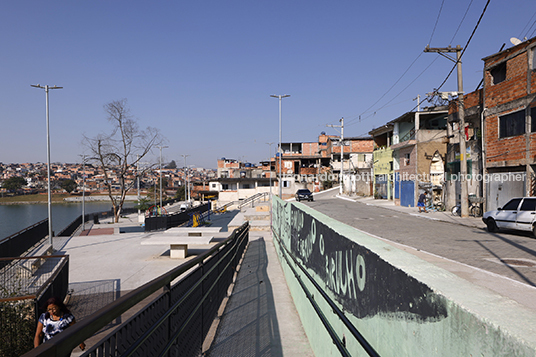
<point x="519" y="214"/>
<point x="185" y="206"/>
<point x="304" y="194"/>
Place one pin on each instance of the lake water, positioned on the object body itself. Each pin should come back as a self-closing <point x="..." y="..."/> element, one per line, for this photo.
<point x="14" y="218"/>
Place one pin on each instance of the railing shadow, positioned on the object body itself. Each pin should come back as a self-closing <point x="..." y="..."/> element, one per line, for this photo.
<point x="249" y="324"/>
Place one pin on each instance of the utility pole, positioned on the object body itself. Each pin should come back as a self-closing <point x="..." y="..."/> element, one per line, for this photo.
<point x="341" y="174"/>
<point x="461" y="117"/>
<point x="418" y="99"/>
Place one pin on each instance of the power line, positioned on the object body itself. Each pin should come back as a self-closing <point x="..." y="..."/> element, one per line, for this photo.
<point x="466" y="45"/>
<point x="437" y="20"/>
<point x="461" y="22"/>
<point x="523" y="31"/>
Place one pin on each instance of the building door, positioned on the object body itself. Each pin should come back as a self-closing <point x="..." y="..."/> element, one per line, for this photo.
<point x="407" y="193"/>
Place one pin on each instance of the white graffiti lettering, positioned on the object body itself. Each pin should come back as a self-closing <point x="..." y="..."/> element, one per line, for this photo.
<point x="343" y="277"/>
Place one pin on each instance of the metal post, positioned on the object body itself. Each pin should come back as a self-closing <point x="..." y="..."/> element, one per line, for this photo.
<point x="138" y="182"/>
<point x="161" y="147"/>
<point x="187" y="191"/>
<point x="50" y="232"/>
<point x="83" y="192"/>
<point x="280" y="150"/>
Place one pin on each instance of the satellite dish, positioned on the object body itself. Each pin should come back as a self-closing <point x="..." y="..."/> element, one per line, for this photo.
<point x="515" y="41"/>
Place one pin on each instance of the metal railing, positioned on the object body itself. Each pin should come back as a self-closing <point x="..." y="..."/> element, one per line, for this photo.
<point x="252" y="199"/>
<point x="26" y="284"/>
<point x="17" y="244"/>
<point x="173" y="220"/>
<point x="339" y="342"/>
<point x="175" y="323"/>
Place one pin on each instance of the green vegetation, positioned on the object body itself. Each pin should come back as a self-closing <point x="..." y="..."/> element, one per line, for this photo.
<point x="36" y="198"/>
<point x="68" y="185"/>
<point x="14" y="183"/>
<point x="17" y="322"/>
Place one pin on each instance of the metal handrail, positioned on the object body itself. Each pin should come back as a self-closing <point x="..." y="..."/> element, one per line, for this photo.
<point x="252" y="199"/>
<point x="64" y="343"/>
<point x="172" y="309"/>
<point x="341" y="345"/>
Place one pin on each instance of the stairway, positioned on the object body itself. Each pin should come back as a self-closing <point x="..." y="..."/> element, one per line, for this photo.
<point x="258" y="217"/>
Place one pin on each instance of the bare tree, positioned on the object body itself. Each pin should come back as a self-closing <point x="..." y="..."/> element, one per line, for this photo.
<point x="119" y="152"/>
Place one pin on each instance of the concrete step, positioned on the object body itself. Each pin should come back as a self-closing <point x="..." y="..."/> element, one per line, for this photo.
<point x="257" y="216"/>
<point x="262" y="226"/>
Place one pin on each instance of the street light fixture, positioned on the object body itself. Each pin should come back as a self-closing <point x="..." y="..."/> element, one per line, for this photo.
<point x="280" y="150"/>
<point x="47" y="88"/>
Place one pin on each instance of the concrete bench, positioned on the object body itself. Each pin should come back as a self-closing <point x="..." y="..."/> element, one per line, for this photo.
<point x="178" y="245"/>
<point x="194" y="231"/>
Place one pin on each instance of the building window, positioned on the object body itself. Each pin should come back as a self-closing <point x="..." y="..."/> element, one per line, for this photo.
<point x="498" y="73"/>
<point x="286" y="183"/>
<point x="406" y="159"/>
<point x="224" y="186"/>
<point x="533" y="67"/>
<point x="245" y="186"/>
<point x="512" y="124"/>
<point x="533" y="119"/>
<point x="225" y="174"/>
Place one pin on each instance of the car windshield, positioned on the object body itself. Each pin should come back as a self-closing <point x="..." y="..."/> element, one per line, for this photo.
<point x="305" y="191"/>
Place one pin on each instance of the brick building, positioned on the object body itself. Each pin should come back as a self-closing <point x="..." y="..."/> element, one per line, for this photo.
<point x="509" y="117"/>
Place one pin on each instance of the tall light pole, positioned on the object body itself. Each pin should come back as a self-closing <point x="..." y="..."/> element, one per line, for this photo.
<point x="83" y="191"/>
<point x="187" y="192"/>
<point x="47" y="88"/>
<point x="280" y="150"/>
<point x="161" y="147"/>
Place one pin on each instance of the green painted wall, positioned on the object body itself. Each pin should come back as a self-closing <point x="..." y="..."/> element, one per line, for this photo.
<point x="401" y="304"/>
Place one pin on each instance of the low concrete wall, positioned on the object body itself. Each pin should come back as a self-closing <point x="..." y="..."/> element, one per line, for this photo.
<point x="402" y="305"/>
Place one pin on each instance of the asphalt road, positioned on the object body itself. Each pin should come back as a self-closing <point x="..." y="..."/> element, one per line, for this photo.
<point x="510" y="254"/>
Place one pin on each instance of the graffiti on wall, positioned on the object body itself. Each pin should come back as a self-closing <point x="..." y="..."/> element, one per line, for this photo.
<point x="362" y="282"/>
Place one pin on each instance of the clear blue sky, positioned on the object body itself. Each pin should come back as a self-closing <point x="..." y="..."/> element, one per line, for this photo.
<point x="203" y="71"/>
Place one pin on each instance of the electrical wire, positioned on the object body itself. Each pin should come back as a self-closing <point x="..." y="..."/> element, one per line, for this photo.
<point x="466" y="45"/>
<point x="524" y="28"/>
<point x="437" y="20"/>
<point x="461" y="22"/>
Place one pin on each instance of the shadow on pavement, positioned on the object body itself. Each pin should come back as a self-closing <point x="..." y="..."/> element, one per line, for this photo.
<point x="249" y="325"/>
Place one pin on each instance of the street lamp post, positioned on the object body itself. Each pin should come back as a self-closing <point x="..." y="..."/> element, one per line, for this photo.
<point x="83" y="192"/>
<point x="280" y="150"/>
<point x="47" y="88"/>
<point x="161" y="147"/>
<point x="187" y="192"/>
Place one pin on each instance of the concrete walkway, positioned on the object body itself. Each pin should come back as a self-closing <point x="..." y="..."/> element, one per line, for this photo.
<point x="260" y="318"/>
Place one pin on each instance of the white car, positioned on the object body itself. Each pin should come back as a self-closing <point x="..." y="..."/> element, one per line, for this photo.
<point x="519" y="213"/>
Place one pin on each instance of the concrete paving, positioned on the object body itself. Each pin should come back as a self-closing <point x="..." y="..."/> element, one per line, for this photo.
<point x="260" y="318"/>
<point x="105" y="266"/>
